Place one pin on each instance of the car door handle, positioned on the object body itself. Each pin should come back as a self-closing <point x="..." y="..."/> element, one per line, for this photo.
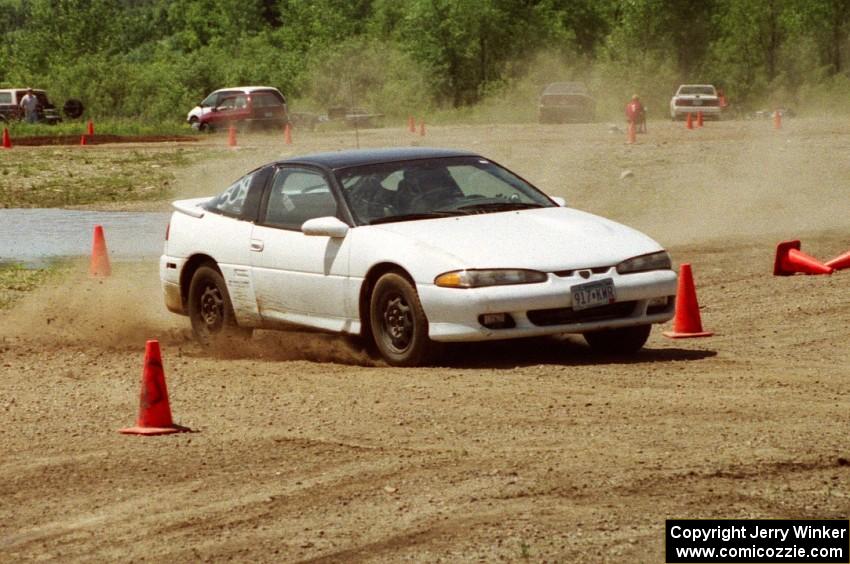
<point x="257" y="245"/>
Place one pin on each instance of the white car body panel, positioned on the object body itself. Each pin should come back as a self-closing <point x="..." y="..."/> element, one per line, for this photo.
<point x="315" y="281"/>
<point x="708" y="104"/>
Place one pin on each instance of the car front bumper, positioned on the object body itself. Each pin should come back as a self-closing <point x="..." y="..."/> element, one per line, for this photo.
<point x="545" y="308"/>
<point x="169" y="277"/>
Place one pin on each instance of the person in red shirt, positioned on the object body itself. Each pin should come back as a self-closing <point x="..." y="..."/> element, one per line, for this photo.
<point x="636" y="114"/>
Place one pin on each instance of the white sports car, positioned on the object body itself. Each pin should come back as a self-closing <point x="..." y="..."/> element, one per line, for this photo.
<point x="409" y="248"/>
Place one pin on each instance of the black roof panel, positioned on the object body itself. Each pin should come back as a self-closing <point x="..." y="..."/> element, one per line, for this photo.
<point x="359" y="157"/>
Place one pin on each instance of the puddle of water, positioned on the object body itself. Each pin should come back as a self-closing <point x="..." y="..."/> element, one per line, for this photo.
<point x="35" y="236"/>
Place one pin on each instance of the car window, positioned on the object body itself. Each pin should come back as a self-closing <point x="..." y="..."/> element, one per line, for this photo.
<point x="232" y="200"/>
<point x="298" y="195"/>
<point x="210" y="100"/>
<point x="235" y="102"/>
<point x="5" y="97"/>
<point x="265" y="100"/>
<point x="445" y="186"/>
<point x="701" y="90"/>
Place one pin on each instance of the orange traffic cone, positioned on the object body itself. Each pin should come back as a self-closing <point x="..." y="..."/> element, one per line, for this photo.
<point x="287" y="134"/>
<point x="154" y="409"/>
<point x="231" y="136"/>
<point x="690" y="122"/>
<point x="99" y="264"/>
<point x="840" y="262"/>
<point x="7" y="141"/>
<point x="411" y="124"/>
<point x="790" y="260"/>
<point x="630" y="134"/>
<point x="422" y="127"/>
<point x="777" y="119"/>
<point x="90" y="128"/>
<point x="687" y="322"/>
<point x="699" y="119"/>
<point x="84" y="140"/>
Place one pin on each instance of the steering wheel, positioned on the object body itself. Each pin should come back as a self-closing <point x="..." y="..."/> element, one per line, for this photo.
<point x="435" y="195"/>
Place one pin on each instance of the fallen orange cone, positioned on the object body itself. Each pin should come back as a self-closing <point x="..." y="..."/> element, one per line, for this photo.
<point x="840" y="262"/>
<point x="687" y="322"/>
<point x="791" y="260"/>
<point x="154" y="409"/>
<point x="99" y="264"/>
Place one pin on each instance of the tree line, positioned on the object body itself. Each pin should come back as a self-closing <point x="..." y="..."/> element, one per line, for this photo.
<point x="157" y="58"/>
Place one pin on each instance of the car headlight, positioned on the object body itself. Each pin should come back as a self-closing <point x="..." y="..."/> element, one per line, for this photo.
<point x="652" y="261"/>
<point x="495" y="277"/>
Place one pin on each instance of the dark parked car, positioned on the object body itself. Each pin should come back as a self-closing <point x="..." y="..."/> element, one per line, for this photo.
<point x="253" y="109"/>
<point x="10" y="106"/>
<point x="563" y="102"/>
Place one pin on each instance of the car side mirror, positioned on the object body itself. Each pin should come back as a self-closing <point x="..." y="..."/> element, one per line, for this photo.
<point x="324" y="227"/>
<point x="559" y="200"/>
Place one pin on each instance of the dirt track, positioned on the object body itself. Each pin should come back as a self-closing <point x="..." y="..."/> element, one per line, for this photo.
<point x="305" y="450"/>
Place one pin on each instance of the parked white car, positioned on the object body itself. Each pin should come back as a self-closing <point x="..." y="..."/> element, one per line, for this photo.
<point x="212" y="101"/>
<point x="409" y="248"/>
<point x="693" y="98"/>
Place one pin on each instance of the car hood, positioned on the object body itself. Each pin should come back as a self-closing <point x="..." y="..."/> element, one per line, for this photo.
<point x="547" y="239"/>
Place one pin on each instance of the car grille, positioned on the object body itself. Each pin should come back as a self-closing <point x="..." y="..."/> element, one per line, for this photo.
<point x="565" y="315"/>
<point x="594" y="270"/>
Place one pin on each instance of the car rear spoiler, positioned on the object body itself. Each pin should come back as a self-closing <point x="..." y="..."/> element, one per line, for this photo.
<point x="191" y="207"/>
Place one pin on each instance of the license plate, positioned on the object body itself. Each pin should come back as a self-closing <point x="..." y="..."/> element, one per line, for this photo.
<point x="697" y="102"/>
<point x="593" y="294"/>
<point x="269" y="114"/>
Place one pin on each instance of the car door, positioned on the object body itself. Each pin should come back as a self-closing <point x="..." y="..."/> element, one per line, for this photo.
<point x="299" y="278"/>
<point x="229" y="109"/>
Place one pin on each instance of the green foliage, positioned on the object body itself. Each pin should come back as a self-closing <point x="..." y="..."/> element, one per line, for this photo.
<point x="155" y="59"/>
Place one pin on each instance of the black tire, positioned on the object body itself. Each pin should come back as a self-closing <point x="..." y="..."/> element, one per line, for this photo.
<point x="398" y="322"/>
<point x="210" y="308"/>
<point x="73" y="108"/>
<point x="623" y="341"/>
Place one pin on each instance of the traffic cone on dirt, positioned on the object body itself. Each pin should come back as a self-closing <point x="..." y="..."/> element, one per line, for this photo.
<point x="84" y="140"/>
<point x="411" y="124"/>
<point x="840" y="262"/>
<point x="154" y="409"/>
<point x="7" y="141"/>
<point x="777" y="119"/>
<point x="699" y="119"/>
<point x="422" y="128"/>
<point x="690" y="121"/>
<point x="287" y="134"/>
<point x="231" y="136"/>
<point x="630" y="133"/>
<point x="99" y="264"/>
<point x="791" y="260"/>
<point x="687" y="322"/>
<point x="90" y="128"/>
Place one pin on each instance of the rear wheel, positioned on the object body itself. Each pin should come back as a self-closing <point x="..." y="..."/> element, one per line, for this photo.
<point x="210" y="308"/>
<point x="625" y="340"/>
<point x="398" y="322"/>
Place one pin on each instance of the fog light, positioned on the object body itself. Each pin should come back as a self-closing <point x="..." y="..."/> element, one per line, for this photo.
<point x="496" y="320"/>
<point x="658" y="305"/>
<point x="662" y="301"/>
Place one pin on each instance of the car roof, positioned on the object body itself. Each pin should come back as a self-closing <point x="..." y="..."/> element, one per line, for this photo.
<point x="565" y="87"/>
<point x="246" y="89"/>
<point x="359" y="157"/>
<point x="696" y="85"/>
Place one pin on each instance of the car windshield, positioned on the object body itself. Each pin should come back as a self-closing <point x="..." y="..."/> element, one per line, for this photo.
<point x="430" y="188"/>
<point x="701" y="90"/>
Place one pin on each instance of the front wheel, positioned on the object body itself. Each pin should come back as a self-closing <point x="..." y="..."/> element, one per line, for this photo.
<point x="622" y="341"/>
<point x="398" y="322"/>
<point x="210" y="308"/>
